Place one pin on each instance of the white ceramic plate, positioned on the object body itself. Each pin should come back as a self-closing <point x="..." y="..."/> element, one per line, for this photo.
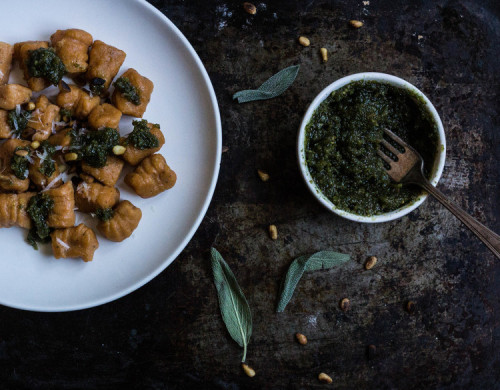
<point x="183" y="102"/>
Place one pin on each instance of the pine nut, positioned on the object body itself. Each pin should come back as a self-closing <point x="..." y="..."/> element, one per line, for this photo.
<point x="71" y="156"/>
<point x="324" y="54"/>
<point x="35" y="145"/>
<point x="248" y="370"/>
<point x="119" y="150"/>
<point x="301" y="338"/>
<point x="304" y="41"/>
<point x="356" y="23"/>
<point x="22" y="153"/>
<point x="250" y="8"/>
<point x="370" y="263"/>
<point x="345" y="304"/>
<point x="325" y="378"/>
<point x="273" y="232"/>
<point x="31" y="106"/>
<point x="264" y="176"/>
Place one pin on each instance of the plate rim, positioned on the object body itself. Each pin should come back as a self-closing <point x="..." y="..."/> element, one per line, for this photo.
<point x="201" y="215"/>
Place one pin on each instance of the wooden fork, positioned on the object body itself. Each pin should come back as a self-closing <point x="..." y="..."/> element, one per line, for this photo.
<point x="408" y="168"/>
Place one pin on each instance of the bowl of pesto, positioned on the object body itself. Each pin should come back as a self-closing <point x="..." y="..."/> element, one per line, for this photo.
<point x="341" y="132"/>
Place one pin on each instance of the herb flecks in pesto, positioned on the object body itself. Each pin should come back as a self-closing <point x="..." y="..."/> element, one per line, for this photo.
<point x="20" y="164"/>
<point x="96" y="85"/>
<point x="141" y="137"/>
<point x="344" y="134"/>
<point x="128" y="91"/>
<point x="45" y="63"/>
<point x="45" y="153"/>
<point x="18" y="121"/>
<point x="93" y="147"/>
<point x="105" y="214"/>
<point x="39" y="208"/>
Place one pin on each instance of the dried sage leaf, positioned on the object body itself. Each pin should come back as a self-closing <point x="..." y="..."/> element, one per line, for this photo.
<point x="232" y="302"/>
<point x="272" y="87"/>
<point x="316" y="261"/>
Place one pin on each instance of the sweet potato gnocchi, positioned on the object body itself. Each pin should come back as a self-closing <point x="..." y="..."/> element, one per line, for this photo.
<point x="63" y="155"/>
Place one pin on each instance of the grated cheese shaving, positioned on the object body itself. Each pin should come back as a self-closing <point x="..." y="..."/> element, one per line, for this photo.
<point x="62" y="243"/>
<point x="18" y="109"/>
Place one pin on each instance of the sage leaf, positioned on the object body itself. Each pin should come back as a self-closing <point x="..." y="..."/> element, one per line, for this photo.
<point x="314" y="262"/>
<point x="272" y="87"/>
<point x="232" y="302"/>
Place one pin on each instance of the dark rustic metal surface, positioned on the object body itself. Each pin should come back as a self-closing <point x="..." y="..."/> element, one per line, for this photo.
<point x="169" y="334"/>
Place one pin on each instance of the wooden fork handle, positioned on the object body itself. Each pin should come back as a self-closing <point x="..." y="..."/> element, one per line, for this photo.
<point x="490" y="238"/>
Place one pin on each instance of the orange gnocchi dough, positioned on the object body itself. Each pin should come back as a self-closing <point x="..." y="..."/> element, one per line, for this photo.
<point x="108" y="174"/>
<point x="134" y="155"/>
<point x="43" y="118"/>
<point x="144" y="88"/>
<point x="8" y="180"/>
<point x="92" y="196"/>
<point x="76" y="241"/>
<point x="124" y="221"/>
<point x="13" y="94"/>
<point x="151" y="177"/>
<point x="77" y="101"/>
<point x="21" y="54"/>
<point x="6" y="53"/>
<point x="13" y="210"/>
<point x="72" y="48"/>
<point x="63" y="212"/>
<point x="104" y="63"/>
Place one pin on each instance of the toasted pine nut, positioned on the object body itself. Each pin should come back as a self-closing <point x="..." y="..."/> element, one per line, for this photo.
<point x="250" y="8"/>
<point x="35" y="145"/>
<point x="356" y="23"/>
<point x="325" y="378"/>
<point x="31" y="106"/>
<point x="345" y="304"/>
<point x="273" y="232"/>
<point x="324" y="54"/>
<point x="22" y="153"/>
<point x="264" y="176"/>
<point x="248" y="370"/>
<point x="71" y="156"/>
<point x="370" y="263"/>
<point x="119" y="150"/>
<point x="301" y="338"/>
<point x="304" y="41"/>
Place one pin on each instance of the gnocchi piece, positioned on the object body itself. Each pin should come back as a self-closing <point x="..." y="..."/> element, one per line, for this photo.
<point x="151" y="177"/>
<point x="125" y="220"/>
<point x="42" y="118"/>
<point x="72" y="48"/>
<point x="92" y="196"/>
<point x="61" y="138"/>
<point x="13" y="94"/>
<point x="21" y="54"/>
<point x="5" y="130"/>
<point x="76" y="241"/>
<point x="8" y="180"/>
<point x="38" y="178"/>
<point x="63" y="213"/>
<point x="13" y="210"/>
<point x="108" y="174"/>
<point x="104" y="63"/>
<point x="6" y="52"/>
<point x="144" y="88"/>
<point x="78" y="101"/>
<point x="134" y="155"/>
<point x="105" y="115"/>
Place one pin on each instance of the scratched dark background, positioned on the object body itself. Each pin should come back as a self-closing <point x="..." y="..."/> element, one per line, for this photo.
<point x="169" y="334"/>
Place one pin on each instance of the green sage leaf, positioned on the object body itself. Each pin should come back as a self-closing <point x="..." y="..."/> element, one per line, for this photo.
<point x="314" y="262"/>
<point x="274" y="86"/>
<point x="232" y="302"/>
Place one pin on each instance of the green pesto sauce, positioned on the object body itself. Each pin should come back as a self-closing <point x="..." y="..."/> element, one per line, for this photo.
<point x="343" y="136"/>
<point x="93" y="147"/>
<point x="45" y="63"/>
<point x="141" y="137"/>
<point x="20" y="164"/>
<point x="18" y="122"/>
<point x="105" y="214"/>
<point x="128" y="91"/>
<point x="39" y="208"/>
<point x="48" y="166"/>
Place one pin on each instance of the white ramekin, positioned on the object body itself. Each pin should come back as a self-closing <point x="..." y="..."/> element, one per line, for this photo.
<point x="437" y="169"/>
